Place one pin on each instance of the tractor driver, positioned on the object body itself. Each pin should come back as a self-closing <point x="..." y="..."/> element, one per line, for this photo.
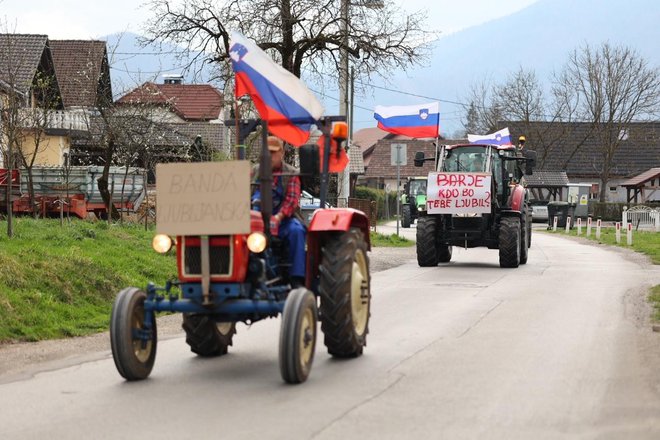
<point x="286" y="201"/>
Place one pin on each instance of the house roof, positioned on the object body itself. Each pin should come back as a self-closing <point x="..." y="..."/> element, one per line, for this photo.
<point x="570" y="147"/>
<point x="642" y="178"/>
<point x="367" y="138"/>
<point x="161" y="135"/>
<point x="381" y="161"/>
<point x="80" y="66"/>
<point x="20" y="56"/>
<point x="547" y="179"/>
<point x="192" y="102"/>
<point x="355" y="161"/>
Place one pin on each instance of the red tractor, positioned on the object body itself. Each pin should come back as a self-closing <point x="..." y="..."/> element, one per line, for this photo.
<point x="228" y="278"/>
<point x="475" y="198"/>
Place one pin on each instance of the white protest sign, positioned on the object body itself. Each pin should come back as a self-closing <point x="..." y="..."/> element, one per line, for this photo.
<point x="458" y="193"/>
<point x="210" y="198"/>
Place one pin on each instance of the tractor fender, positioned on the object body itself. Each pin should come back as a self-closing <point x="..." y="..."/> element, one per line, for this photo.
<point x="517" y="198"/>
<point x="326" y="221"/>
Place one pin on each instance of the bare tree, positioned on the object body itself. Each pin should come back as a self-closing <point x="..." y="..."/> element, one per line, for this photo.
<point x="36" y="121"/>
<point x="483" y="111"/>
<point x="302" y="33"/>
<point x="614" y="86"/>
<point x="14" y="96"/>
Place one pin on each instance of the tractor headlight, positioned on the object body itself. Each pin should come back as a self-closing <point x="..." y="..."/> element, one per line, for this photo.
<point x="161" y="243"/>
<point x="256" y="242"/>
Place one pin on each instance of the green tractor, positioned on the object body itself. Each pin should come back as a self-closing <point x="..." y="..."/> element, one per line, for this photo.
<point x="413" y="200"/>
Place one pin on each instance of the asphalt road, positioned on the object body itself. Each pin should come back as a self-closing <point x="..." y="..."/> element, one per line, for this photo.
<point x="558" y="348"/>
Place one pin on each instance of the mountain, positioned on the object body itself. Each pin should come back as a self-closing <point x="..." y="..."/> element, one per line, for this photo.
<point x="539" y="37"/>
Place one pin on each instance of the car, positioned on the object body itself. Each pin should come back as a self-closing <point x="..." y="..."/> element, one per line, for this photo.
<point x="539" y="210"/>
<point x="309" y="204"/>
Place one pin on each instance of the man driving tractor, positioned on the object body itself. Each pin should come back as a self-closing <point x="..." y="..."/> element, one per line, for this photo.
<point x="286" y="201"/>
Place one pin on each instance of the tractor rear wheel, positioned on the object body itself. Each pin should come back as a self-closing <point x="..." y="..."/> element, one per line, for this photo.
<point x="345" y="290"/>
<point x="405" y="216"/>
<point x="444" y="253"/>
<point x="133" y="345"/>
<point x="206" y="337"/>
<point x="298" y="335"/>
<point x="509" y="242"/>
<point x="524" y="242"/>
<point x="427" y="250"/>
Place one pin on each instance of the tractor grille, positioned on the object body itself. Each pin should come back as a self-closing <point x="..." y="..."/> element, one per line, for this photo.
<point x="219" y="258"/>
<point x="467" y="223"/>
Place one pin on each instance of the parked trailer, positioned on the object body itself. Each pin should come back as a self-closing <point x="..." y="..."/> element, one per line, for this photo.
<point x="78" y="188"/>
<point x="15" y="187"/>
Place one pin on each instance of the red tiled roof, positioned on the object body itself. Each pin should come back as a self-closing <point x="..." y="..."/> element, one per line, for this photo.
<point x="192" y="102"/>
<point x="20" y="56"/>
<point x="80" y="66"/>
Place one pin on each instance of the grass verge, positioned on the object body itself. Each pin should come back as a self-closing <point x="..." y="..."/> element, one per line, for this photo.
<point x="393" y="240"/>
<point x="58" y="281"/>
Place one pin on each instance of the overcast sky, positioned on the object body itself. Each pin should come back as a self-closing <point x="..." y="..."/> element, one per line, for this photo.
<point x="85" y="19"/>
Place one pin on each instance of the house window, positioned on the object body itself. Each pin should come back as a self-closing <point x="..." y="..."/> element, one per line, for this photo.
<point x="623" y="134"/>
<point x="613" y="189"/>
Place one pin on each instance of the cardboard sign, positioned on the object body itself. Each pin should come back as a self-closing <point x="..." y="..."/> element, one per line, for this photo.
<point x="209" y="198"/>
<point x="458" y="193"/>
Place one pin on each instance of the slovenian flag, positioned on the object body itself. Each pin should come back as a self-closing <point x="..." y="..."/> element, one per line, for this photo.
<point x="415" y="121"/>
<point x="281" y="98"/>
<point x="501" y="137"/>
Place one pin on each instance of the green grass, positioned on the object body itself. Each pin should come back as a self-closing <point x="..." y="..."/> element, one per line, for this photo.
<point x="647" y="243"/>
<point x="654" y="299"/>
<point x="60" y="281"/>
<point x="382" y="240"/>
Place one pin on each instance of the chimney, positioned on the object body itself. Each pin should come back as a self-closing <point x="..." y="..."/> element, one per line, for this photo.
<point x="172" y="78"/>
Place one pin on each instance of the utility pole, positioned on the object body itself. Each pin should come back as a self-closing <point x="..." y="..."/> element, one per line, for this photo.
<point x="344" y="177"/>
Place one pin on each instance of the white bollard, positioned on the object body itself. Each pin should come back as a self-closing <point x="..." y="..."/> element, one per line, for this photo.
<point x="579" y="224"/>
<point x="598" y="223"/>
<point x="554" y="224"/>
<point x="618" y="232"/>
<point x="568" y="224"/>
<point x="589" y="227"/>
<point x="629" y="234"/>
<point x="624" y="218"/>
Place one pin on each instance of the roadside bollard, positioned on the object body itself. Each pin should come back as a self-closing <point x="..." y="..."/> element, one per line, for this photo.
<point x="589" y="227"/>
<point x="618" y="232"/>
<point x="554" y="224"/>
<point x="629" y="234"/>
<point x="579" y="226"/>
<point x="598" y="222"/>
<point x="568" y="224"/>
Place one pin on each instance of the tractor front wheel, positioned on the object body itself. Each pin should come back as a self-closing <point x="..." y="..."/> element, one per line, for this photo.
<point x="298" y="335"/>
<point x="509" y="242"/>
<point x="427" y="250"/>
<point x="133" y="343"/>
<point x="345" y="290"/>
<point x="206" y="337"/>
<point x="444" y="253"/>
<point x="405" y="216"/>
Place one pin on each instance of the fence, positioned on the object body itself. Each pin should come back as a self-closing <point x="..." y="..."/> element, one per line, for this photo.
<point x="366" y="206"/>
<point x="641" y="217"/>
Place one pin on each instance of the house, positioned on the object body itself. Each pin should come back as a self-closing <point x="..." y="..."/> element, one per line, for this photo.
<point x="177" y="102"/>
<point x="184" y="118"/>
<point x="377" y="149"/>
<point x="573" y="148"/>
<point x="33" y="113"/>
